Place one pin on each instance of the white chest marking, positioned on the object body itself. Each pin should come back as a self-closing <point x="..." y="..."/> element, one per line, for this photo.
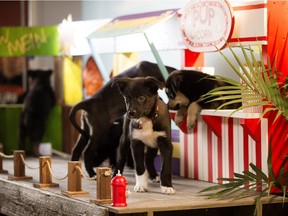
<point x="146" y="134"/>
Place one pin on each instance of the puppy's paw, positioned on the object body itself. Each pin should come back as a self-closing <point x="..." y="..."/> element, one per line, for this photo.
<point x="167" y="190"/>
<point x="180" y="115"/>
<point x="194" y="110"/>
<point x="141" y="182"/>
<point x="155" y="180"/>
<point x="191" y="121"/>
<point x="140" y="189"/>
<point x="178" y="120"/>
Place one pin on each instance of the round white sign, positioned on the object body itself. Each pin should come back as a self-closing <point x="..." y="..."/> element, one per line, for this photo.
<point x="207" y="24"/>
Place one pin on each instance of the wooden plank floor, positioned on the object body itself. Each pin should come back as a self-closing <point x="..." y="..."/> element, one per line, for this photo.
<point x="150" y="203"/>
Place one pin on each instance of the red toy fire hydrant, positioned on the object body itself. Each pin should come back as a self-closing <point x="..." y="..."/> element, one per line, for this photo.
<point x="119" y="190"/>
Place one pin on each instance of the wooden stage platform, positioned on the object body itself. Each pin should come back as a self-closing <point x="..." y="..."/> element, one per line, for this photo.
<point x="21" y="198"/>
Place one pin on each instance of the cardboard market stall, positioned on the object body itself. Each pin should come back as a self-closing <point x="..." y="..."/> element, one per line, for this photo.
<point x="230" y="144"/>
<point x="28" y="42"/>
<point x="151" y="31"/>
<point x="158" y="31"/>
<point x="222" y="144"/>
<point x="60" y="42"/>
<point x="74" y="47"/>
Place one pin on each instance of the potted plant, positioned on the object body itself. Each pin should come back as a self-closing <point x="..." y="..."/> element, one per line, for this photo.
<point x="261" y="85"/>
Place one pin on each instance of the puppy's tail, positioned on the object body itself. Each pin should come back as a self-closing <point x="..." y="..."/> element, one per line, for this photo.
<point x="72" y="118"/>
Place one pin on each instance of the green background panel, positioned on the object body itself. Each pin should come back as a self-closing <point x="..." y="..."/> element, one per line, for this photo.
<point x="9" y="129"/>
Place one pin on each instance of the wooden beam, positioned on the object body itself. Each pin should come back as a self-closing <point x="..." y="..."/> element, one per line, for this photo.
<point x="17" y="198"/>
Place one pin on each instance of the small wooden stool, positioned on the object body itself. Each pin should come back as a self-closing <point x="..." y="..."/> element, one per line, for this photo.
<point x="1" y="161"/>
<point x="103" y="186"/>
<point x="74" y="181"/>
<point x="45" y="173"/>
<point x="19" y="167"/>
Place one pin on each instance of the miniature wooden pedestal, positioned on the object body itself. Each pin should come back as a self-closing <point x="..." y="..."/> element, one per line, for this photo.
<point x="1" y="162"/>
<point x="45" y="173"/>
<point x="19" y="167"/>
<point x="103" y="186"/>
<point x="74" y="181"/>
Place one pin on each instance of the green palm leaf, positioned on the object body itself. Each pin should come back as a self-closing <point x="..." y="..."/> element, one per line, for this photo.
<point x="259" y="172"/>
<point x="261" y="86"/>
<point x="251" y="183"/>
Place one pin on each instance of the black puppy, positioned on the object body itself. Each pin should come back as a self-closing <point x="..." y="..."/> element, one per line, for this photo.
<point x="37" y="105"/>
<point x="185" y="88"/>
<point x="109" y="150"/>
<point x="99" y="113"/>
<point x="150" y="126"/>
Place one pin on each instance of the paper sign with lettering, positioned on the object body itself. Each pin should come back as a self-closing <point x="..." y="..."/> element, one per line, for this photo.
<point x="206" y="24"/>
<point x="29" y="41"/>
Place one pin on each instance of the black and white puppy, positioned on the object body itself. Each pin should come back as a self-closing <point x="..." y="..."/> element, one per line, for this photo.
<point x="99" y="112"/>
<point x="184" y="89"/>
<point x="150" y="127"/>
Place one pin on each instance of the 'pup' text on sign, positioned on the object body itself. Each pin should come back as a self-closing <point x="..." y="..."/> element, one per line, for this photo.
<point x="206" y="24"/>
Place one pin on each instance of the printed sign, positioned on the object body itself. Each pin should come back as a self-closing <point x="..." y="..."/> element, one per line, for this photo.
<point x="29" y="41"/>
<point x="206" y="24"/>
<point x="132" y="24"/>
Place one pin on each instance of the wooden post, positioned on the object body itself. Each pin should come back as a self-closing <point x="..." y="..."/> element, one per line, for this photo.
<point x="19" y="167"/>
<point x="74" y="180"/>
<point x="1" y="161"/>
<point x="103" y="186"/>
<point x="45" y="173"/>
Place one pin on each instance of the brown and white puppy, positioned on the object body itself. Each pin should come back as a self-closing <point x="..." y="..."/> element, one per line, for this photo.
<point x="185" y="88"/>
<point x="149" y="126"/>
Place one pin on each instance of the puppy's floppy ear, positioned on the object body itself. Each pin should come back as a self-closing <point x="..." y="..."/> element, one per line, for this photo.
<point x="31" y="73"/>
<point x="178" y="78"/>
<point x="120" y="83"/>
<point x="155" y="83"/>
<point x="49" y="72"/>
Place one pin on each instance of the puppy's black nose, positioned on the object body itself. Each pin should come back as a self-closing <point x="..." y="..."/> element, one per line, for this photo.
<point x="174" y="107"/>
<point x="177" y="107"/>
<point x="131" y="113"/>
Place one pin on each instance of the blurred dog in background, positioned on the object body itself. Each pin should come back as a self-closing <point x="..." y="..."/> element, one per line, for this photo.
<point x="38" y="102"/>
